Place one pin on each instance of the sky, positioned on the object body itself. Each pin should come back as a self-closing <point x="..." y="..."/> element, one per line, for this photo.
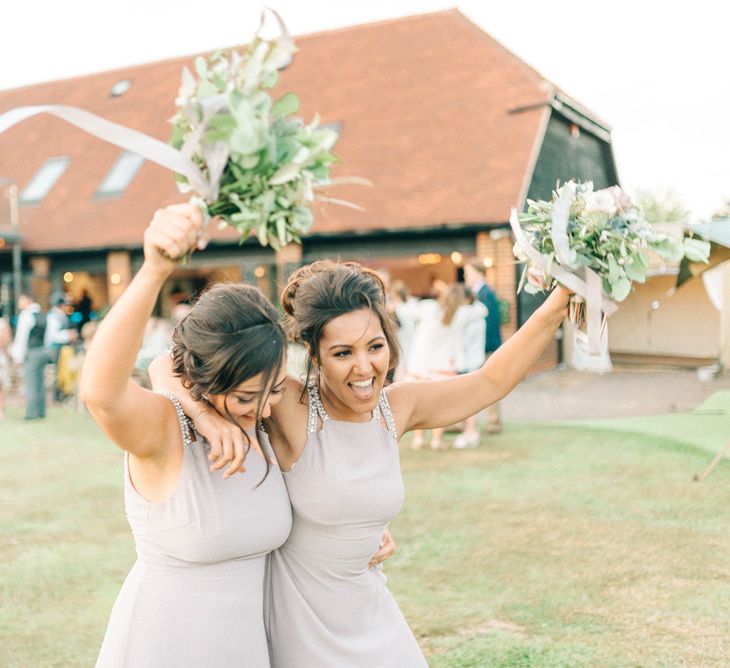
<point x="656" y="73"/>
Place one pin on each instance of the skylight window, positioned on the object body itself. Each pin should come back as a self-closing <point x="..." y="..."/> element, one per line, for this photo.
<point x="43" y="180"/>
<point x="120" y="175"/>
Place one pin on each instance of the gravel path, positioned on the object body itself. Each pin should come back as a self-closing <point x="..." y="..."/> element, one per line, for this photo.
<point x="566" y="394"/>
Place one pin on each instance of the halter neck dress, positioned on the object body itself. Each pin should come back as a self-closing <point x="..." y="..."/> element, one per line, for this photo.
<point x="324" y="607"/>
<point x="194" y="597"/>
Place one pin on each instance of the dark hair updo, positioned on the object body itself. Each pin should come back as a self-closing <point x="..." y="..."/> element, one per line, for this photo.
<point x="231" y="334"/>
<point x="324" y="290"/>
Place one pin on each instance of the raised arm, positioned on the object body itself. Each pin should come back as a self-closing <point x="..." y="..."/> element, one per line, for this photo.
<point x="131" y="416"/>
<point x="433" y="404"/>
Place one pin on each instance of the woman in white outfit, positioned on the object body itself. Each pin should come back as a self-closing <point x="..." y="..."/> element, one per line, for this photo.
<point x="437" y="344"/>
<point x="470" y="356"/>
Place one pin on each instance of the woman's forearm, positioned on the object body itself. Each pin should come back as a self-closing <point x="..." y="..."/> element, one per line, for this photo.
<point x="439" y="403"/>
<point x="110" y="360"/>
<point x="164" y="380"/>
<point x="508" y="365"/>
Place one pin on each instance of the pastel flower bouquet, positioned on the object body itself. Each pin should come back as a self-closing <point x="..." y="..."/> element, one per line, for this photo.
<point x="583" y="237"/>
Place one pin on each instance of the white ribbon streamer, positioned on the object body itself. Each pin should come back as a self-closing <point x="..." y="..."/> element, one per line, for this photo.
<point x="598" y="306"/>
<point x="559" y="230"/>
<point x="148" y="147"/>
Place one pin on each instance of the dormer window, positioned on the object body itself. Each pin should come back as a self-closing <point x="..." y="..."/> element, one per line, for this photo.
<point x="43" y="180"/>
<point x="121" y="87"/>
<point x="120" y="175"/>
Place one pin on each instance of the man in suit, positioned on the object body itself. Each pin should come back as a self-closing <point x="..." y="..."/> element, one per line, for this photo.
<point x="29" y="351"/>
<point x="474" y="277"/>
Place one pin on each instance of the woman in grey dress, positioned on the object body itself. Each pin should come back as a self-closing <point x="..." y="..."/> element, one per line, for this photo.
<point x="194" y="597"/>
<point x="335" y="437"/>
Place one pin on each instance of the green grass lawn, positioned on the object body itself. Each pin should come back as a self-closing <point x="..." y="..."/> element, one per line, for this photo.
<point x="554" y="546"/>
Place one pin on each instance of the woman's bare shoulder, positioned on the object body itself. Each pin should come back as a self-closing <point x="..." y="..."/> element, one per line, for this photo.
<point x="294" y="397"/>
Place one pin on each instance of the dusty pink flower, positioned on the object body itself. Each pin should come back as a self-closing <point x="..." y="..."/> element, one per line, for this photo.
<point x="622" y="200"/>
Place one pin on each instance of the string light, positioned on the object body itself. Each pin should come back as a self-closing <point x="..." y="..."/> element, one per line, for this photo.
<point x="429" y="258"/>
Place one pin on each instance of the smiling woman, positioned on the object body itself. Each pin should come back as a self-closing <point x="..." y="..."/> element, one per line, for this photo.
<point x="344" y="480"/>
<point x="338" y="311"/>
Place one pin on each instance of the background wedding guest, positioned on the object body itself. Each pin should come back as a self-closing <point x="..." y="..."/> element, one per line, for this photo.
<point x="433" y="353"/>
<point x="470" y="356"/>
<point x="475" y="279"/>
<point x="83" y="309"/>
<point x="87" y="334"/>
<point x="59" y="333"/>
<point x="404" y="309"/>
<point x="5" y="377"/>
<point x="29" y="351"/>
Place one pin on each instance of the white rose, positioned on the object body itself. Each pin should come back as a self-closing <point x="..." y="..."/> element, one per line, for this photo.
<point x="600" y="201"/>
<point x="622" y="200"/>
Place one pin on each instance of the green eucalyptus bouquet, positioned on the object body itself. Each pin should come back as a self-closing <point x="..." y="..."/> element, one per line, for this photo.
<point x="264" y="165"/>
<point x="600" y="230"/>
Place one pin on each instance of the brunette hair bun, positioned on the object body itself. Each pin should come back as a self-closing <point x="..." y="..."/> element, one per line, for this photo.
<point x="231" y="334"/>
<point x="324" y="290"/>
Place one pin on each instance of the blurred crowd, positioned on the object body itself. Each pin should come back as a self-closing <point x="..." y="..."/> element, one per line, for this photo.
<point x="450" y="331"/>
<point x="41" y="352"/>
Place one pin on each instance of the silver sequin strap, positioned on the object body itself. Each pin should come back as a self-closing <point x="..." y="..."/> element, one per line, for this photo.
<point x="384" y="407"/>
<point x="316" y="409"/>
<point x="185" y="423"/>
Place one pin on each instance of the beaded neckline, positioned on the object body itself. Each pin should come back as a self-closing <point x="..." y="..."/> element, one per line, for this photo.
<point x="186" y="424"/>
<point x="317" y="410"/>
<point x="187" y="428"/>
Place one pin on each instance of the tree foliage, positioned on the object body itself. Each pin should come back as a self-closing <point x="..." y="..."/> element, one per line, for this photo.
<point x="662" y="206"/>
<point x="723" y="212"/>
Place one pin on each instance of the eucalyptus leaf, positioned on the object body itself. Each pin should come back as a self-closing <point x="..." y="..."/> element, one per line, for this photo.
<point x="206" y="89"/>
<point x="636" y="268"/>
<point x="696" y="250"/>
<point x="621" y="289"/>
<point x="669" y="249"/>
<point x="286" y="105"/>
<point x="285" y="174"/>
<point x="201" y="67"/>
<point x="281" y="230"/>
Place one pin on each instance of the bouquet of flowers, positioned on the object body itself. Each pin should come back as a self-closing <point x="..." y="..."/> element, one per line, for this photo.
<point x="581" y="230"/>
<point x="264" y="165"/>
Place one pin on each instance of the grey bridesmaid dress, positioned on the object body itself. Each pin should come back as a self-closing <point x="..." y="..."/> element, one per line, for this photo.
<point x="194" y="597"/>
<point x="324" y="607"/>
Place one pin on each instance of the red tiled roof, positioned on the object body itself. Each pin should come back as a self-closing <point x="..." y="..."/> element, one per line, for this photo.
<point x="424" y="105"/>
